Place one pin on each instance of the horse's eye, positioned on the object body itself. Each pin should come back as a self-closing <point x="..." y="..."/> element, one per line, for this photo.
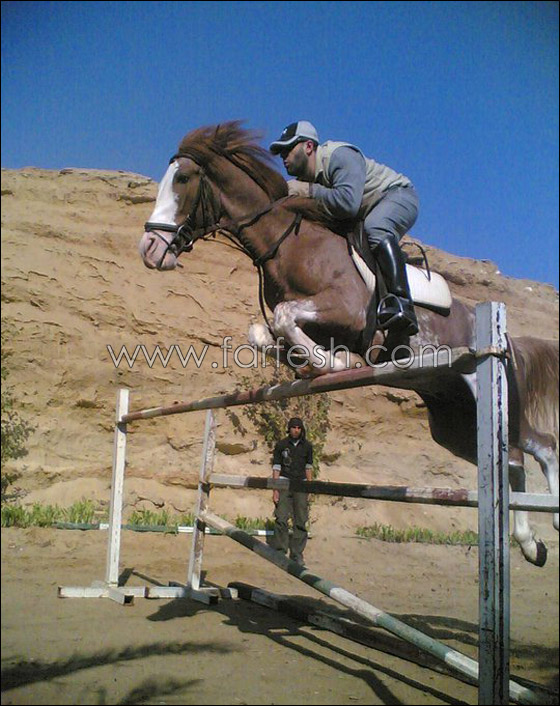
<point x="181" y="178"/>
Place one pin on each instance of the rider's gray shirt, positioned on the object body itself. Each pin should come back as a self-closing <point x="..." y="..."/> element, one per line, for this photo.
<point x="347" y="173"/>
<point x="343" y="188"/>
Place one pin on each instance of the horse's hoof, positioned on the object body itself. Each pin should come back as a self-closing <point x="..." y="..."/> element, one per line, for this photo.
<point x="542" y="553"/>
<point x="308" y="372"/>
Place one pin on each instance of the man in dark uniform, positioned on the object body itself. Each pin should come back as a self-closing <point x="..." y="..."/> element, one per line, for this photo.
<point x="293" y="459"/>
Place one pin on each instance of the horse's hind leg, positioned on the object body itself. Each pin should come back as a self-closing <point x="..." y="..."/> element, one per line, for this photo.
<point x="533" y="549"/>
<point x="542" y="448"/>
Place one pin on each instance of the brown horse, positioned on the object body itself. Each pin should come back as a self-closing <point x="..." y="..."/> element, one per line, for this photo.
<point x="222" y="181"/>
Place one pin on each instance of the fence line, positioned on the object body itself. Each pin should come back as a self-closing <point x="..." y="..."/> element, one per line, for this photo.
<point x="493" y="497"/>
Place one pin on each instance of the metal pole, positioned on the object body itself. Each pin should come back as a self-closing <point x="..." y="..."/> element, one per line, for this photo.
<point x="493" y="504"/>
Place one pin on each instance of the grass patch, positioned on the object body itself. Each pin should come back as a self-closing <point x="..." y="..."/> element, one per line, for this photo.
<point x="83" y="512"/>
<point x="387" y="533"/>
<point x="86" y="512"/>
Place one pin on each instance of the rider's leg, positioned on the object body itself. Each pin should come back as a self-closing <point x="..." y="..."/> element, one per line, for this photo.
<point x="385" y="225"/>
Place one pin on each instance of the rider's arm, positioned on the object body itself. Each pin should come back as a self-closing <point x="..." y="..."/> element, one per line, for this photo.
<point x="347" y="173"/>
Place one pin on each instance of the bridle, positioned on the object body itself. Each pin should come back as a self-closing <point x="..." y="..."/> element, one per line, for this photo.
<point x="186" y="234"/>
<point x="211" y="207"/>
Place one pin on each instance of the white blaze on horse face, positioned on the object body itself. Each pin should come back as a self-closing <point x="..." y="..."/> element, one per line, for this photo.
<point x="153" y="247"/>
<point x="167" y="202"/>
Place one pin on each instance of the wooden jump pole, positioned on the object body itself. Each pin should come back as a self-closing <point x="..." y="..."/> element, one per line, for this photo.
<point x="384" y="374"/>
<point x="457" y="497"/>
<point x="366" y="635"/>
<point x="453" y="659"/>
<point x="117" y="485"/>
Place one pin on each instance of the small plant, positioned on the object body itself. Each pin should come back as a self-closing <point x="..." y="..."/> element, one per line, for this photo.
<point x="253" y="523"/>
<point x="186" y="520"/>
<point x="14" y="516"/>
<point x="152" y="519"/>
<point x="82" y="512"/>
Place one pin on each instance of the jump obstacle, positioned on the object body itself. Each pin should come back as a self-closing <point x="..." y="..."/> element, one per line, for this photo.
<point x="493" y="500"/>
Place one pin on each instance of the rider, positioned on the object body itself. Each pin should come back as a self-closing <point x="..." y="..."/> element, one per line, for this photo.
<point x="349" y="185"/>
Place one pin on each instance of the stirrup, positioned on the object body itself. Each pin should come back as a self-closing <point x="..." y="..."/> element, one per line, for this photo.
<point x="393" y="316"/>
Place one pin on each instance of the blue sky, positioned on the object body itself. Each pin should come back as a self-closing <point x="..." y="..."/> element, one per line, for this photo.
<point x="462" y="97"/>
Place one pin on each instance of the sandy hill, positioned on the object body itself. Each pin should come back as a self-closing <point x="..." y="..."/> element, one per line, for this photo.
<point x="73" y="284"/>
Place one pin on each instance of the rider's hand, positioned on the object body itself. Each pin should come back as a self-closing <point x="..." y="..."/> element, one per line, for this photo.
<point x="275" y="496"/>
<point x="299" y="188"/>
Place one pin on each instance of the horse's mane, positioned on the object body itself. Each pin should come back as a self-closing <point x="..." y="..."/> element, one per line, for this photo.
<point x="240" y="146"/>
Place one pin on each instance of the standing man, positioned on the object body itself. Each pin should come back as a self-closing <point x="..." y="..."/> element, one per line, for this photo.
<point x="293" y="459"/>
<point x="351" y="186"/>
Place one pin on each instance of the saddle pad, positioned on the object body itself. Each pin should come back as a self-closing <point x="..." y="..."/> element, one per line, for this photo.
<point x="431" y="291"/>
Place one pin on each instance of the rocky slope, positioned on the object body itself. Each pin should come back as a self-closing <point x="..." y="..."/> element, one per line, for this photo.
<point x="73" y="285"/>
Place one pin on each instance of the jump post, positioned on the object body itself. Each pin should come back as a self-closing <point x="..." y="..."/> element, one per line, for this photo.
<point x="492" y="498"/>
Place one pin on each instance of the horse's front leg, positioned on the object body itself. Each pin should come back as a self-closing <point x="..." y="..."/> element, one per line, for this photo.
<point x="261" y="338"/>
<point x="289" y="319"/>
<point x="278" y="350"/>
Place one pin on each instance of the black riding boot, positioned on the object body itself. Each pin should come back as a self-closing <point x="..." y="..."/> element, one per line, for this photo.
<point x="395" y="310"/>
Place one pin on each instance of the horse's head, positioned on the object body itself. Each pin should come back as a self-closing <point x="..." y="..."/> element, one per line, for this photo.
<point x="187" y="208"/>
<point x="190" y="206"/>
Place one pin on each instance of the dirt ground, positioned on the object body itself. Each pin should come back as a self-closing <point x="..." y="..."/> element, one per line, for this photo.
<point x="73" y="285"/>
<point x="94" y="651"/>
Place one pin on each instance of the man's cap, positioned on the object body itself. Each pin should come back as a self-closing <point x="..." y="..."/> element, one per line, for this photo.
<point x="294" y="133"/>
<point x="295" y="422"/>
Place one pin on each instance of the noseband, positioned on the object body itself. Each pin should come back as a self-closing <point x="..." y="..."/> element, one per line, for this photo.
<point x="186" y="233"/>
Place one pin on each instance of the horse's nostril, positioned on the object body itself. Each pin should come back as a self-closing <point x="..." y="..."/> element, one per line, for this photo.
<point x="148" y="250"/>
<point x="151" y="245"/>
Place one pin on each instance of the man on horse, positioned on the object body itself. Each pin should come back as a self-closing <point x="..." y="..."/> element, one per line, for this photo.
<point x="351" y="186"/>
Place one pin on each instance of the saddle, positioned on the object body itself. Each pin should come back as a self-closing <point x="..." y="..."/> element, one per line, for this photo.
<point x="428" y="289"/>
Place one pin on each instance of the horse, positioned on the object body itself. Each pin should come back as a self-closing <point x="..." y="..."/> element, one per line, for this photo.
<point x="222" y="181"/>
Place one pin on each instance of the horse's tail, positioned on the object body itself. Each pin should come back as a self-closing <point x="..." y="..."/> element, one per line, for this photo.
<point x="536" y="362"/>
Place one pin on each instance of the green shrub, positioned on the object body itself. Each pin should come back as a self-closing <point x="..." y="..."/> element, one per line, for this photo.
<point x="84" y="512"/>
<point x="15" y="430"/>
